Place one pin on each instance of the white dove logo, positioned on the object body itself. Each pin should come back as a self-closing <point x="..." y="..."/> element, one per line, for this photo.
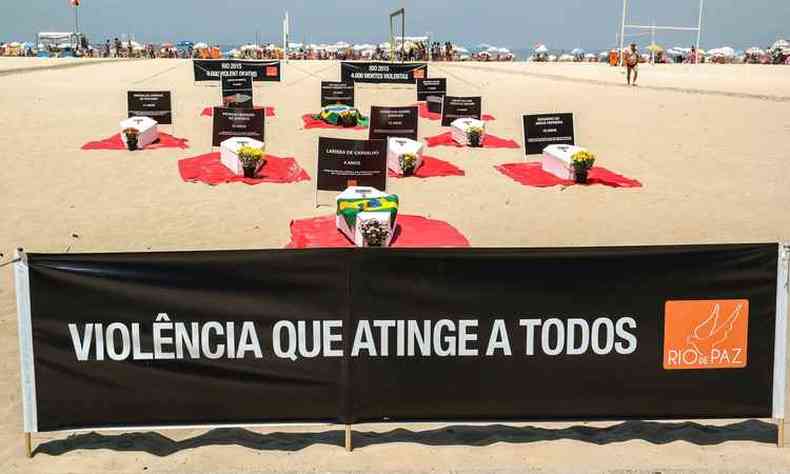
<point x="709" y="334"/>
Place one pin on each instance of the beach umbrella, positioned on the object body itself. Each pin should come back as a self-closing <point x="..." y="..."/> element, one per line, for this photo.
<point x="542" y="49"/>
<point x="503" y="51"/>
<point x="726" y="52"/>
<point x="577" y="51"/>
<point x="654" y="48"/>
<point x="460" y="49"/>
<point x="781" y="44"/>
<point x="589" y="56"/>
<point x="566" y="58"/>
<point x="552" y="58"/>
<point x="201" y="46"/>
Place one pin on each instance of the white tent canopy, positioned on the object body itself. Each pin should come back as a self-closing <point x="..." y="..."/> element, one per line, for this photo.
<point x="542" y="49"/>
<point x="781" y="44"/>
<point x="725" y="51"/>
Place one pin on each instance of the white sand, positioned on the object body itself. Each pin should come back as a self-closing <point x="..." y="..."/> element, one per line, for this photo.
<point x="715" y="169"/>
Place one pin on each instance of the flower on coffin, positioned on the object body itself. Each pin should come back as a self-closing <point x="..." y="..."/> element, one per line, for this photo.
<point x="374" y="232"/>
<point x="132" y="136"/>
<point x="474" y="136"/>
<point x="582" y="161"/>
<point x="408" y="163"/>
<point x="251" y="159"/>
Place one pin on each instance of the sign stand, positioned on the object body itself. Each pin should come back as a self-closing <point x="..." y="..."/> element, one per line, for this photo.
<point x="28" y="445"/>
<point x="349" y="447"/>
<point x="780" y="433"/>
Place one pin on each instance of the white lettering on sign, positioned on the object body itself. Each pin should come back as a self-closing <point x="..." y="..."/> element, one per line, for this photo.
<point x="176" y="340"/>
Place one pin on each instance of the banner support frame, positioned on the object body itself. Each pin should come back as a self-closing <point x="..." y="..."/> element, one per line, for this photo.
<point x="28" y="445"/>
<point x="25" y="334"/>
<point x="780" y="343"/>
<point x="349" y="446"/>
<point x="780" y="340"/>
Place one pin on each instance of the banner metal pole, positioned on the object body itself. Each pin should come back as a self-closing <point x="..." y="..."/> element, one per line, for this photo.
<point x="780" y="342"/>
<point x="622" y="33"/>
<point x="349" y="447"/>
<point x="28" y="445"/>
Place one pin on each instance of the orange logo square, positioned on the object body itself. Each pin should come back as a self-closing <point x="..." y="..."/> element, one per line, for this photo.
<point x="271" y="71"/>
<point x="419" y="73"/>
<point x="705" y="334"/>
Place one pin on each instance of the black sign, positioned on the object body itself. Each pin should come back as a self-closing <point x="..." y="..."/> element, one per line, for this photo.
<point x="157" y="105"/>
<point x="543" y="130"/>
<point x="388" y="122"/>
<point x="229" y="123"/>
<point x="343" y="163"/>
<point x="237" y="92"/>
<point x="383" y="73"/>
<point x="213" y="69"/>
<point x="353" y="335"/>
<point x="434" y="103"/>
<point x="461" y="107"/>
<point x="333" y="93"/>
<point x="432" y="86"/>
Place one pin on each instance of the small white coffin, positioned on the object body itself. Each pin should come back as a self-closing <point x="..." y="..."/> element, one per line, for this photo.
<point x="229" y="153"/>
<point x="147" y="127"/>
<point x="460" y="127"/>
<point x="557" y="160"/>
<point x="397" y="147"/>
<point x="354" y="232"/>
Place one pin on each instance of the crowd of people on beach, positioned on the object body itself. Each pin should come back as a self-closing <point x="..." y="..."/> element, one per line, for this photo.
<point x="409" y="49"/>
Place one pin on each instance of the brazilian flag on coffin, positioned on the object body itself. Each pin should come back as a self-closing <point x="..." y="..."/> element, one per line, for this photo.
<point x="350" y="208"/>
<point x="342" y="115"/>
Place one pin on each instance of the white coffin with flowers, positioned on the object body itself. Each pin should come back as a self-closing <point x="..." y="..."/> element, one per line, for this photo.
<point x="557" y="160"/>
<point x="397" y="148"/>
<point x="229" y="153"/>
<point x="148" y="130"/>
<point x="361" y="207"/>
<point x="460" y="128"/>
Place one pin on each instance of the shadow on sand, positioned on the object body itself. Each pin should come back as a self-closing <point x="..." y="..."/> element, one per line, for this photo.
<point x="463" y="435"/>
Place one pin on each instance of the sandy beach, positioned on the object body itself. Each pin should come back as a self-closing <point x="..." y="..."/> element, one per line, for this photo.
<point x="709" y="144"/>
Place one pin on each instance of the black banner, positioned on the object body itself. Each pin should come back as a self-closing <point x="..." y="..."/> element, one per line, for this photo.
<point x="157" y="105"/>
<point x="343" y="163"/>
<point x="359" y="335"/>
<point x="383" y="73"/>
<point x="543" y="130"/>
<point x="386" y="122"/>
<point x="432" y="86"/>
<point x="337" y="93"/>
<point x="237" y="92"/>
<point x="461" y="107"/>
<point x="230" y="123"/>
<point x="259" y="71"/>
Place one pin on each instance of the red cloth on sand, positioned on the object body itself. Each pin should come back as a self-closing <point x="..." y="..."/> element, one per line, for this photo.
<point x="431" y="168"/>
<point x="208" y="169"/>
<point x="489" y="141"/>
<point x="532" y="174"/>
<point x="411" y="232"/>
<point x="116" y="143"/>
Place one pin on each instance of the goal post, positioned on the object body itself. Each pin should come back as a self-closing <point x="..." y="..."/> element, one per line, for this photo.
<point x="624" y="25"/>
<point x="393" y="23"/>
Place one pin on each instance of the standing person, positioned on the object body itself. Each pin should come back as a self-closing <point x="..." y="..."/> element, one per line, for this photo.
<point x="632" y="63"/>
<point x="107" y="49"/>
<point x="117" y="48"/>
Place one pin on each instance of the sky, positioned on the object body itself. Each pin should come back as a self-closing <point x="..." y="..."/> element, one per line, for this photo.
<point x="516" y="24"/>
